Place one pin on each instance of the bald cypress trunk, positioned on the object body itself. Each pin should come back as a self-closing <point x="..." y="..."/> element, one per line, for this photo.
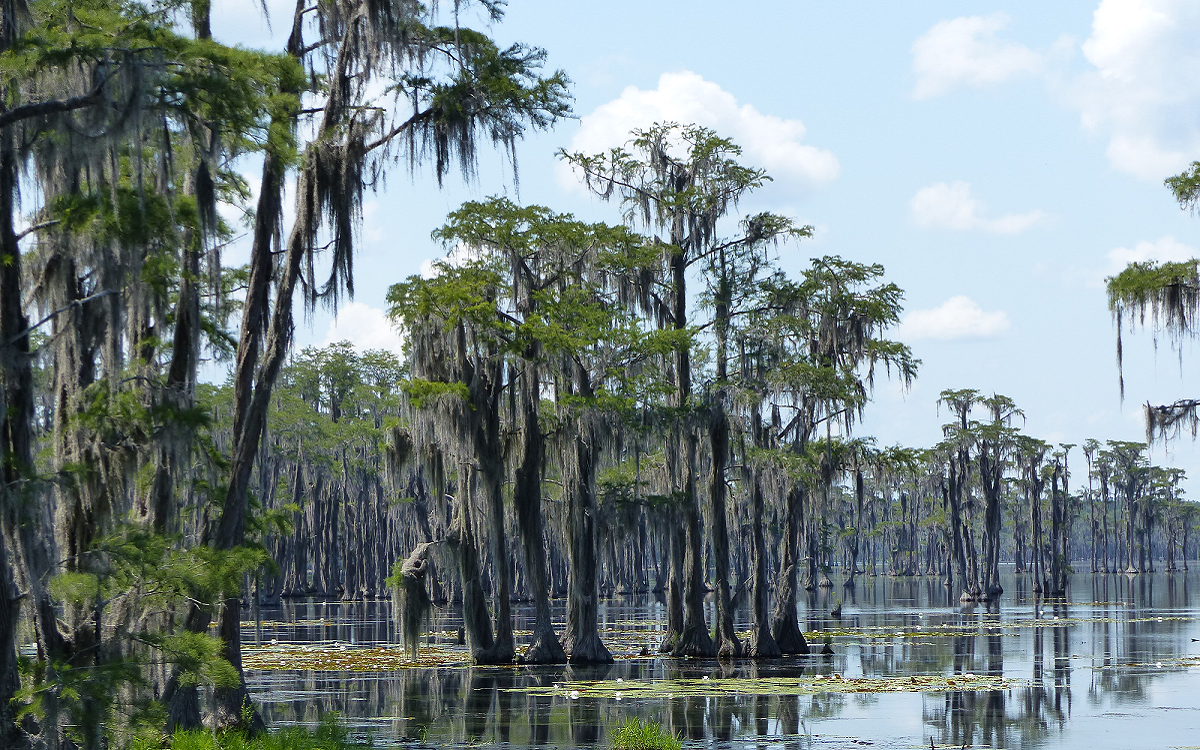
<point x="676" y="541"/>
<point x="695" y="639"/>
<point x="952" y="491"/>
<point x="718" y="431"/>
<point x="991" y="470"/>
<point x="582" y="639"/>
<point x="727" y="640"/>
<point x="1058" y="572"/>
<point x="16" y="455"/>
<point x="463" y="540"/>
<point x="762" y="642"/>
<point x="485" y="386"/>
<point x="785" y="625"/>
<point x="252" y="397"/>
<point x="527" y="497"/>
<point x="25" y="519"/>
<point x="1039" y="542"/>
<point x="16" y="415"/>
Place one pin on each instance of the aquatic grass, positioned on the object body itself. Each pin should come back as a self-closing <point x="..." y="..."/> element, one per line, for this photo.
<point x="330" y="735"/>
<point x="636" y="734"/>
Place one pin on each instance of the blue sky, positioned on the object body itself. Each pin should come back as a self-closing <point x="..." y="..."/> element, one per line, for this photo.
<point x="1000" y="159"/>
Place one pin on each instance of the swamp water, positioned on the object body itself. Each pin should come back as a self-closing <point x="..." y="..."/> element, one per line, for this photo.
<point x="1115" y="666"/>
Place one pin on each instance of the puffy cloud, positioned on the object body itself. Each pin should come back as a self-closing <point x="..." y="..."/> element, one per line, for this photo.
<point x="966" y="52"/>
<point x="770" y="142"/>
<point x="364" y="326"/>
<point x="1166" y="249"/>
<point x="951" y="206"/>
<point x="956" y="318"/>
<point x="1144" y="88"/>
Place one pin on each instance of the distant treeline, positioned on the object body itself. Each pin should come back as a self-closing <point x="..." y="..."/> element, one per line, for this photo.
<point x="325" y="472"/>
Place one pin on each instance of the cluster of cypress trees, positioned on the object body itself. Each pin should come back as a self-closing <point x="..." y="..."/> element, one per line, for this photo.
<point x="126" y="515"/>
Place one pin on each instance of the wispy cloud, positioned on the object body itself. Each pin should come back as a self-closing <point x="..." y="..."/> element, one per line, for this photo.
<point x="966" y="51"/>
<point x="951" y="206"/>
<point x="957" y="318"/>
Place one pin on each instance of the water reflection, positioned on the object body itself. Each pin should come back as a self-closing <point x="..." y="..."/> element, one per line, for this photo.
<point x="1120" y="639"/>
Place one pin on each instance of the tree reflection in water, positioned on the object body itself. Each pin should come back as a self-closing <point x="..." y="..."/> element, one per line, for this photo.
<point x="1109" y="636"/>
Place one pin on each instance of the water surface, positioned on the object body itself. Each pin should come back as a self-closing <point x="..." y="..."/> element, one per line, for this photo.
<point x="1117" y="665"/>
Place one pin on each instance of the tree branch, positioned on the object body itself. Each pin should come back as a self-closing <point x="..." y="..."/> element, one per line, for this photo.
<point x="59" y="311"/>
<point x="54" y="107"/>
<point x="36" y="228"/>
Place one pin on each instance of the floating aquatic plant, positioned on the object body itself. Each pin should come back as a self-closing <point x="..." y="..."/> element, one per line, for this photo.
<point x="810" y="685"/>
<point x="343" y="658"/>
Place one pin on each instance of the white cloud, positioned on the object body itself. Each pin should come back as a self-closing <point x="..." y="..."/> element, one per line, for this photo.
<point x="965" y="51"/>
<point x="364" y="326"/>
<point x="951" y="206"/>
<point x="1166" y="249"/>
<point x="956" y="318"/>
<point x="770" y="142"/>
<point x="1144" y="88"/>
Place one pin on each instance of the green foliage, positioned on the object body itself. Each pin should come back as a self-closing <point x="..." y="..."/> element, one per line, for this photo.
<point x="637" y="734"/>
<point x="422" y="393"/>
<point x="1185" y="186"/>
<point x="330" y="735"/>
<point x="1169" y="292"/>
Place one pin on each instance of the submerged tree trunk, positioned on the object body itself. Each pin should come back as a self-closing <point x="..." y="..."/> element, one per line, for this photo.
<point x="582" y="640"/>
<point x="991" y="470"/>
<point x="477" y="622"/>
<point x="491" y="470"/>
<point x="676" y="541"/>
<point x="727" y="640"/>
<point x="695" y="639"/>
<point x="785" y="623"/>
<point x="762" y="642"/>
<point x="544" y="648"/>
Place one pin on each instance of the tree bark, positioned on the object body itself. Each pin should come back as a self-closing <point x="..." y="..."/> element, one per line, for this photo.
<point x="582" y="639"/>
<point x="695" y="639"/>
<point x="727" y="644"/>
<point x="762" y="643"/>
<point x="785" y="624"/>
<point x="544" y="648"/>
<point x="477" y="623"/>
